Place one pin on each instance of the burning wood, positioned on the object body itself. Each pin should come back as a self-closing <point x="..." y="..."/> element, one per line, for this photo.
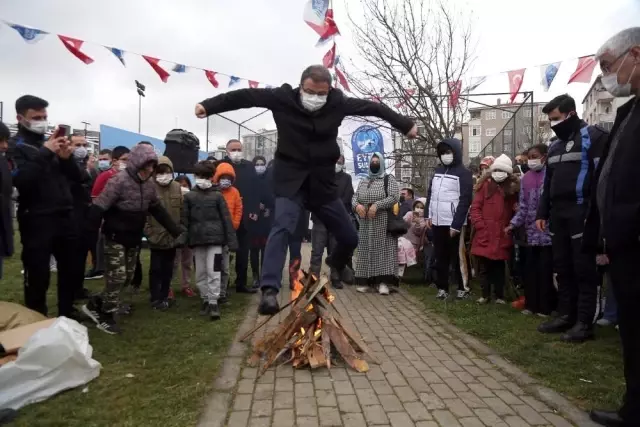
<point x="309" y="333"/>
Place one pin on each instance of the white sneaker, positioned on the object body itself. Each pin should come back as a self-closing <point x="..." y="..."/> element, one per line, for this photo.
<point x="500" y="301"/>
<point x="362" y="289"/>
<point x="527" y="312"/>
<point x="604" y="322"/>
<point x="482" y="300"/>
<point x="383" y="289"/>
<point x="462" y="294"/>
<point x="442" y="294"/>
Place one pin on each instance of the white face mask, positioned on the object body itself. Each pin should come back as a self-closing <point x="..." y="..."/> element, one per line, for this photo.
<point x="38" y="126"/>
<point x="164" y="178"/>
<point x="225" y="183"/>
<point x="499" y="176"/>
<point x="419" y="211"/>
<point x="610" y="82"/>
<point x="236" y="156"/>
<point x="104" y="165"/>
<point x="80" y="153"/>
<point x="535" y="164"/>
<point x="203" y="183"/>
<point x="122" y="165"/>
<point x="260" y="169"/>
<point x="184" y="190"/>
<point x="447" y="159"/>
<point x="339" y="168"/>
<point x="312" y="102"/>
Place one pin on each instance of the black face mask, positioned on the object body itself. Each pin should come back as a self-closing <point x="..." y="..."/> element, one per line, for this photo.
<point x="402" y="199"/>
<point x="524" y="167"/>
<point x="375" y="168"/>
<point x="565" y="129"/>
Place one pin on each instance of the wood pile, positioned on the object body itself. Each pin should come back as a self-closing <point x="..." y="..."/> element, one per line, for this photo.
<point x="311" y="334"/>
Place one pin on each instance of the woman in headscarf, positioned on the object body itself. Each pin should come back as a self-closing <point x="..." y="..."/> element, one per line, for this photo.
<point x="376" y="262"/>
<point x="260" y="231"/>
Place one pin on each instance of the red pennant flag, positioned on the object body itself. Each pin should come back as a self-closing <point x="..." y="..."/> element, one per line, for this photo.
<point x="253" y="84"/>
<point x="330" y="27"/>
<point x="74" y="46"/>
<point x="164" y="75"/>
<point x="454" y="90"/>
<point x="515" y="81"/>
<point x="408" y="93"/>
<point x="343" y="80"/>
<point x="329" y="58"/>
<point x="584" y="70"/>
<point x="211" y="76"/>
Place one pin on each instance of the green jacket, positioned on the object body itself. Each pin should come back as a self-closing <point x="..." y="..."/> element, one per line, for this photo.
<point x="171" y="199"/>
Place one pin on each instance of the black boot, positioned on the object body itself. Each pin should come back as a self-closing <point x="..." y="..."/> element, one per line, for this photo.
<point x="214" y="311"/>
<point x="346" y="276"/>
<point x="269" y="302"/>
<point x="607" y="418"/>
<point x="556" y="325"/>
<point x="580" y="332"/>
<point x="245" y="290"/>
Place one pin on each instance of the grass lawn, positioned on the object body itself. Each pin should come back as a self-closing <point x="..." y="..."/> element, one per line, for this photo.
<point x="173" y="355"/>
<point x="590" y="374"/>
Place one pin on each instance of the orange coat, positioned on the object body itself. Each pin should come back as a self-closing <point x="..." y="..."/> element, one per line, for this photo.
<point x="231" y="195"/>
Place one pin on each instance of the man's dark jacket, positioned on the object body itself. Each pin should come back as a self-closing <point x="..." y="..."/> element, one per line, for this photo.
<point x="571" y="165"/>
<point x="6" y="207"/>
<point x="307" y="148"/>
<point x="619" y="224"/>
<point x="41" y="177"/>
<point x="247" y="185"/>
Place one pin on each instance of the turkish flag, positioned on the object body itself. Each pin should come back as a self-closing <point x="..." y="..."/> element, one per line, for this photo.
<point x="343" y="80"/>
<point x="211" y="76"/>
<point x="454" y="93"/>
<point x="584" y="70"/>
<point x="515" y="81"/>
<point x="164" y="75"/>
<point x="329" y="58"/>
<point x="74" y="46"/>
<point x="253" y="84"/>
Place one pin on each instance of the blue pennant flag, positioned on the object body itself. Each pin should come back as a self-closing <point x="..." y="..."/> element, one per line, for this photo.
<point x="548" y="73"/>
<point x="233" y="80"/>
<point x="29" y="35"/>
<point x="179" y="68"/>
<point x="119" y="53"/>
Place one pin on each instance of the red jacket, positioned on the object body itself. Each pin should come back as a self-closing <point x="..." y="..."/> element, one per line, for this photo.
<point x="490" y="214"/>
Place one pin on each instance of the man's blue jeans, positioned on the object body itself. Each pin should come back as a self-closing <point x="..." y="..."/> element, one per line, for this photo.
<point x="287" y="213"/>
<point x="610" y="306"/>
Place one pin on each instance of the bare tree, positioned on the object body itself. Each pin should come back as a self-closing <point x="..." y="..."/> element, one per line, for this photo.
<point x="415" y="55"/>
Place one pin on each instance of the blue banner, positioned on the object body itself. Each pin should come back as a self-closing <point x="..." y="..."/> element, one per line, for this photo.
<point x="365" y="141"/>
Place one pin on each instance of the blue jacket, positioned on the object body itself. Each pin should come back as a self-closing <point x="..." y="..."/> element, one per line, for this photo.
<point x="451" y="190"/>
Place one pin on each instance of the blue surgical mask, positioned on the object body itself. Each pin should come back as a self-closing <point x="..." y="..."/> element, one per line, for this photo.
<point x="104" y="165"/>
<point x="225" y="183"/>
<point x="260" y="169"/>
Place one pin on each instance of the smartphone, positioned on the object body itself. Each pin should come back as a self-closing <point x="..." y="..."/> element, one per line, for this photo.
<point x="63" y="130"/>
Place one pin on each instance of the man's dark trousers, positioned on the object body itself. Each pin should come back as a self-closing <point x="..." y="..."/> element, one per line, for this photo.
<point x="287" y="213"/>
<point x="43" y="236"/>
<point x="578" y="280"/>
<point x="623" y="272"/>
<point x="242" y="255"/>
<point x="161" y="273"/>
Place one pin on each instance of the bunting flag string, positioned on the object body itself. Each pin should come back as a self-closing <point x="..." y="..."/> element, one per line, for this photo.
<point x="74" y="46"/>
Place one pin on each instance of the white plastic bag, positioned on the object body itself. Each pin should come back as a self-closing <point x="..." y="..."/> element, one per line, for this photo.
<point x="53" y="359"/>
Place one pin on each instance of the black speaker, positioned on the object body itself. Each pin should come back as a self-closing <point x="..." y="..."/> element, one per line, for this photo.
<point x="182" y="147"/>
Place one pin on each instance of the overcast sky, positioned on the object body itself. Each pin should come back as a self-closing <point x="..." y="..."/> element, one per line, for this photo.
<point x="263" y="40"/>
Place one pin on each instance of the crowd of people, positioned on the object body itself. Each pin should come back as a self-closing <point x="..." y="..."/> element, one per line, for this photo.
<point x="565" y="212"/>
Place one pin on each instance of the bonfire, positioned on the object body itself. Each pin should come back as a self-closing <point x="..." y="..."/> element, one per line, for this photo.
<point x="311" y="334"/>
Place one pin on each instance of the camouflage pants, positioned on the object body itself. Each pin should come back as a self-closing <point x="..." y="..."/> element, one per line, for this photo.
<point x="120" y="264"/>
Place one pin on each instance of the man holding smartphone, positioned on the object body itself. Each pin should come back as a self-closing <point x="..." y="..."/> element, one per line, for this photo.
<point x="42" y="171"/>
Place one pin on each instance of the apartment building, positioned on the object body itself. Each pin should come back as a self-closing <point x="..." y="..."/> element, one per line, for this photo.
<point x="262" y="143"/>
<point x="510" y="128"/>
<point x="599" y="106"/>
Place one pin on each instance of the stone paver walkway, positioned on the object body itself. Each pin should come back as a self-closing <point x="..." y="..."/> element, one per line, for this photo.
<point x="427" y="378"/>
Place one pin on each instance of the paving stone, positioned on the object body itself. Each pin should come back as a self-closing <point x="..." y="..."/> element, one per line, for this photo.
<point x="556" y="420"/>
<point x="375" y="415"/>
<point x="483" y="364"/>
<point x="515" y="421"/>
<point x="430" y="377"/>
<point x="307" y="422"/>
<point x="396" y="379"/>
<point x="367" y="397"/>
<point x="417" y="411"/>
<point x="432" y="401"/>
<point x="349" y="403"/>
<point x="260" y="422"/>
<point x="323" y="383"/>
<point x="303" y="390"/>
<point x="445" y="418"/>
<point x="508" y="397"/>
<point x="242" y="402"/>
<point x="250" y="373"/>
<point x="480" y="390"/>
<point x="306" y="406"/>
<point x="456" y="385"/>
<point x="400" y="419"/>
<point x="443" y="372"/>
<point x="238" y="419"/>
<point x="261" y="408"/>
<point x="475" y="371"/>
<point x="490" y="383"/>
<point x="263" y="391"/>
<point x="472" y="400"/>
<point x="329" y="417"/>
<point x="284" y="418"/>
<point x="405" y="394"/>
<point x="418" y="384"/>
<point x="381" y="387"/>
<point x="246" y="386"/>
<point x="339" y="374"/>
<point x="529" y="415"/>
<point x="353" y="420"/>
<point x="283" y="400"/>
<point x="443" y="391"/>
<point x="391" y="403"/>
<point x="343" y="387"/>
<point x="498" y="406"/>
<point x="268" y="377"/>
<point x="487" y="416"/>
<point x="465" y="377"/>
<point x="375" y="373"/>
<point x="302" y="376"/>
<point x="471" y="422"/>
<point x="452" y="366"/>
<point x="458" y="407"/>
<point x="427" y="424"/>
<point x="360" y="383"/>
<point x="284" y="371"/>
<point x="284" y="384"/>
<point x="535" y="404"/>
<point x="326" y="398"/>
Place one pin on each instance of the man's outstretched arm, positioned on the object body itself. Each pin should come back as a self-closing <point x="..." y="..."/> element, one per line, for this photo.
<point x="362" y="107"/>
<point x="237" y="100"/>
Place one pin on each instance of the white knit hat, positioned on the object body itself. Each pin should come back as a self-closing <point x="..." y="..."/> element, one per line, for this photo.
<point x="502" y="163"/>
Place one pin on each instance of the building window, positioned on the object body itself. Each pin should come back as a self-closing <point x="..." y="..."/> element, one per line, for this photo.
<point x="490" y="115"/>
<point x="507" y="147"/>
<point x="474" y="147"/>
<point x="476" y="131"/>
<point x="527" y="112"/>
<point x="475" y="115"/>
<point x="405" y="174"/>
<point x="490" y="132"/>
<point x="506" y="115"/>
<point x="526" y="130"/>
<point x="507" y="132"/>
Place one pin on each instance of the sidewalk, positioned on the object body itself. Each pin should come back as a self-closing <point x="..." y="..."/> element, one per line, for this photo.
<point x="427" y="378"/>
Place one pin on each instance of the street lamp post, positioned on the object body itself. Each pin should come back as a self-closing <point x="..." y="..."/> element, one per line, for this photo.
<point x="140" y="88"/>
<point x="85" y="127"/>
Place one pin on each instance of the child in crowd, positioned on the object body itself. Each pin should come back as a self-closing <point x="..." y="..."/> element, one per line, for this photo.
<point x="209" y="228"/>
<point x="184" y="254"/>
<point x="127" y="199"/>
<point x="491" y="210"/>
<point x="539" y="291"/>
<point x="225" y="177"/>
<point x="409" y="244"/>
<point x="162" y="245"/>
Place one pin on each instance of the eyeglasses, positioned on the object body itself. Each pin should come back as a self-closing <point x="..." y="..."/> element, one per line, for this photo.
<point x="606" y="68"/>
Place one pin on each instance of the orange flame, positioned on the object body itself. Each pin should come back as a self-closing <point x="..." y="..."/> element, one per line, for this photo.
<point x="297" y="275"/>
